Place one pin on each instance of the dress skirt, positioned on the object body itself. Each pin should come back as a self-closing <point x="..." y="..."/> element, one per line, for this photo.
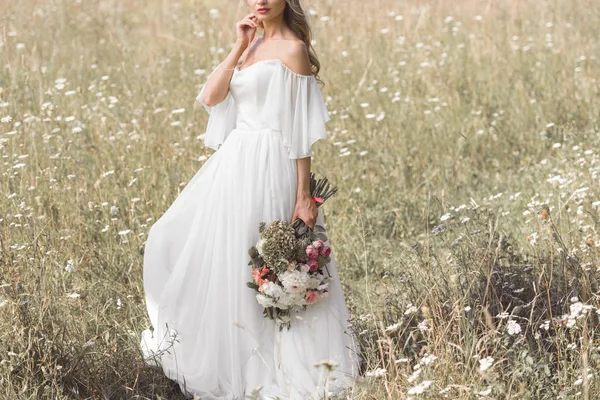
<point x="209" y="333"/>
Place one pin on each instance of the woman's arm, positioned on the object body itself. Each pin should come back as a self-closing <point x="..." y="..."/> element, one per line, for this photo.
<point x="217" y="86"/>
<point x="305" y="208"/>
<point x="297" y="59"/>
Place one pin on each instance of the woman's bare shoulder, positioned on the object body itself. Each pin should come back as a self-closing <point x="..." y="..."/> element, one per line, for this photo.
<point x="296" y="57"/>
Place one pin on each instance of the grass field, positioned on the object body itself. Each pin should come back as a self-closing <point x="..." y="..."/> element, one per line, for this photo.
<point x="464" y="139"/>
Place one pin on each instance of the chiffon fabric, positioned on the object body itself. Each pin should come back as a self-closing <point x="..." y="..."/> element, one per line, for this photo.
<point x="208" y="331"/>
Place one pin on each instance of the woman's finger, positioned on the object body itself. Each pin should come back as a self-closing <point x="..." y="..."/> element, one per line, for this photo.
<point x="251" y="22"/>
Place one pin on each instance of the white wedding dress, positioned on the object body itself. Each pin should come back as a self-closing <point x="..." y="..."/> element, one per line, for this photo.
<point x="209" y="333"/>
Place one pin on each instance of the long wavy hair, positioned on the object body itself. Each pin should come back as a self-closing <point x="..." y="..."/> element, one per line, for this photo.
<point x="295" y="17"/>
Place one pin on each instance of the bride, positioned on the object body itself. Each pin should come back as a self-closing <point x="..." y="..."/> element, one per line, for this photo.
<point x="208" y="331"/>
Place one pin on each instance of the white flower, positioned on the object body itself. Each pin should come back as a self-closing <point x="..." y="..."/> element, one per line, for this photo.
<point x="420" y="388"/>
<point x="314" y="282"/>
<point x="73" y="295"/>
<point x="70" y="267"/>
<point x="445" y="216"/>
<point x="295" y="281"/>
<point x="289" y="300"/>
<point x="576" y="309"/>
<point x="272" y="289"/>
<point x="485" y="363"/>
<point x="428" y="359"/>
<point x="414" y="375"/>
<point x="410" y="309"/>
<point x="513" y="327"/>
<point x="264" y="301"/>
<point x="304" y="268"/>
<point x="259" y="246"/>
<point x="377" y="372"/>
<point x="424" y="325"/>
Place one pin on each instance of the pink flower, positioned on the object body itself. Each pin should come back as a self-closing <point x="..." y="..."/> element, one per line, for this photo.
<point x="317" y="199"/>
<point x="318" y="244"/>
<point x="313" y="264"/>
<point x="325" y="251"/>
<point x="311" y="252"/>
<point x="311" y="296"/>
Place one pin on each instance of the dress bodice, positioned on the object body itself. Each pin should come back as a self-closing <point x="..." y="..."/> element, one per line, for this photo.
<point x="269" y="95"/>
<point x="248" y="88"/>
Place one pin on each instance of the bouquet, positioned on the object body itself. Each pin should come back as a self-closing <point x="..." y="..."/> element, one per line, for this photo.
<point x="289" y="262"/>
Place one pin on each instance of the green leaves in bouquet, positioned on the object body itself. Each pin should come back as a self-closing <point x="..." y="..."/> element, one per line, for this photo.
<point x="252" y="285"/>
<point x="319" y="233"/>
<point x="255" y="258"/>
<point x="281" y="317"/>
<point x="261" y="226"/>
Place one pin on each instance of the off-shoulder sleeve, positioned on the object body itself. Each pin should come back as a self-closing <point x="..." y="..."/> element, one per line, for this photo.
<point x="221" y="118"/>
<point x="295" y="106"/>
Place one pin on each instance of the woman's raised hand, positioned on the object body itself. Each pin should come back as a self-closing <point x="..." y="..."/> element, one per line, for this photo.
<point x="246" y="28"/>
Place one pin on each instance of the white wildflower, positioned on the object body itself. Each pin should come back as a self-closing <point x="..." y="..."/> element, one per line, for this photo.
<point x="70" y="267"/>
<point x="378" y="372"/>
<point x="420" y="388"/>
<point x="393" y="327"/>
<point x="414" y="375"/>
<point x="424" y="325"/>
<point x="486" y="392"/>
<point x="411" y="309"/>
<point x="428" y="359"/>
<point x="513" y="327"/>
<point x="485" y="363"/>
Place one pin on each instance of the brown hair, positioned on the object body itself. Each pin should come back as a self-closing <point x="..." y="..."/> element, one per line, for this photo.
<point x="295" y="16"/>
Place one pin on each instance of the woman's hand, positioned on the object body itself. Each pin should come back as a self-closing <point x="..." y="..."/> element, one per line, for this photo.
<point x="306" y="210"/>
<point x="246" y="28"/>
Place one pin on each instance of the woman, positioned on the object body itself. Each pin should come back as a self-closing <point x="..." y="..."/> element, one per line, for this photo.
<point x="209" y="331"/>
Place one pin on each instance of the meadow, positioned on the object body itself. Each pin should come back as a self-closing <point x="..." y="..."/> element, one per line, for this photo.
<point x="464" y="140"/>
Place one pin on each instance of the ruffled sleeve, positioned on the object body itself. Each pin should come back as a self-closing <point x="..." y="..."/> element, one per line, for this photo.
<point x="221" y="120"/>
<point x="295" y="106"/>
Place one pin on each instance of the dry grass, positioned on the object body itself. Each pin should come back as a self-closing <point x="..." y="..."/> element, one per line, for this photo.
<point x="463" y="139"/>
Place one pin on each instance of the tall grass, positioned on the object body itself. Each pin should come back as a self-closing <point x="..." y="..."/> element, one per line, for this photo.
<point x="463" y="139"/>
